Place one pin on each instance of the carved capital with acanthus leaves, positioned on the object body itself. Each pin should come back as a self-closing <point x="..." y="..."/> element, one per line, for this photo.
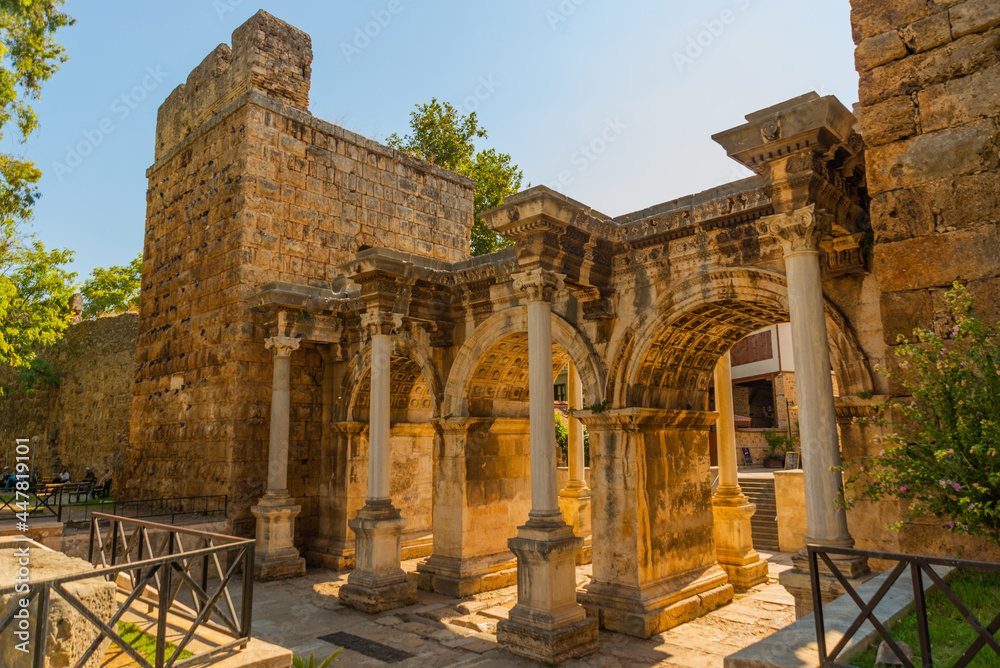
<point x="801" y="230"/>
<point x="379" y="322"/>
<point x="538" y="284"/>
<point x="282" y="345"/>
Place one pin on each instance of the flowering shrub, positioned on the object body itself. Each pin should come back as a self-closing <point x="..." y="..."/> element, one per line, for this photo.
<point x="943" y="458"/>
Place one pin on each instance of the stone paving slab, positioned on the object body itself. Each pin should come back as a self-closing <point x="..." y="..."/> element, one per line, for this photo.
<point x="441" y="631"/>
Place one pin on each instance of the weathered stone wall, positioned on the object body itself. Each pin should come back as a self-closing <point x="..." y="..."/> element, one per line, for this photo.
<point x="498" y="486"/>
<point x="83" y="421"/>
<point x="930" y="108"/>
<point x="930" y="116"/>
<point x="249" y="188"/>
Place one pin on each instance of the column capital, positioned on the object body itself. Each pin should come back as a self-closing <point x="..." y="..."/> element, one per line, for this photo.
<point x="538" y="284"/>
<point x="801" y="230"/>
<point x="380" y="322"/>
<point x="282" y="345"/>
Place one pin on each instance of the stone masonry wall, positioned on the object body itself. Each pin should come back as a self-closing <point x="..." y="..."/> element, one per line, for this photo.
<point x="83" y="421"/>
<point x="249" y="188"/>
<point x="930" y="116"/>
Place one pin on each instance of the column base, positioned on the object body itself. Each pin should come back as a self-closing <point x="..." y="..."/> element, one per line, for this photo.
<point x="642" y="612"/>
<point x="373" y="600"/>
<point x="275" y="556"/>
<point x="548" y="647"/>
<point x="734" y="542"/>
<point x="547" y="624"/>
<point x="463" y="577"/>
<point x="377" y="583"/>
<point x="797" y="582"/>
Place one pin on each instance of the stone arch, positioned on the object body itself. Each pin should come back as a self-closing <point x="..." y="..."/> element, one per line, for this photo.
<point x="507" y="332"/>
<point x="698" y="321"/>
<point x="414" y="379"/>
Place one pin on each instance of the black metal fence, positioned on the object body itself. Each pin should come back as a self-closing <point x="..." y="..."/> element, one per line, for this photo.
<point x="919" y="566"/>
<point x="180" y="576"/>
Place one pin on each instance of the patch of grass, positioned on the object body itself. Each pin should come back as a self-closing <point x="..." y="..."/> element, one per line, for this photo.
<point x="145" y="643"/>
<point x="950" y="634"/>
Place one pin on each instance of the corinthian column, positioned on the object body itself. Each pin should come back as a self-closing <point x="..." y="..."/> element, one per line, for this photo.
<point x="800" y="233"/>
<point x="731" y="509"/>
<point x="574" y="501"/>
<point x="547" y="624"/>
<point x="275" y="555"/>
<point x="377" y="582"/>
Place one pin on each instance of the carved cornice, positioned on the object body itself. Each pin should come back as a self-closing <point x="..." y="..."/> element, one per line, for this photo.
<point x="538" y="284"/>
<point x="801" y="230"/>
<point x="282" y="345"/>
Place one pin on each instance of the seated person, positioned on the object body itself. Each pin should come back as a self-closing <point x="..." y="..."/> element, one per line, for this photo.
<point x="103" y="485"/>
<point x="63" y="475"/>
<point x="88" y="475"/>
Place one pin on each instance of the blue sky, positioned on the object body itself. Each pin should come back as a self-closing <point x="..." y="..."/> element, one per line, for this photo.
<point x="612" y="103"/>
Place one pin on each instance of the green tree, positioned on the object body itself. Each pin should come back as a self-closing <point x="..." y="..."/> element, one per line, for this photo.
<point x="442" y="135"/>
<point x="34" y="289"/>
<point x="34" y="300"/>
<point x="112" y="290"/>
<point x="944" y="458"/>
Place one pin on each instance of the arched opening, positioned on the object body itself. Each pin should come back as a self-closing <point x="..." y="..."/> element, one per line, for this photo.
<point x="414" y="401"/>
<point x="650" y="453"/>
<point x="483" y="476"/>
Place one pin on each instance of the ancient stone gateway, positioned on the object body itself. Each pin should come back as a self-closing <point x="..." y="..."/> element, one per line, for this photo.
<point x="316" y="342"/>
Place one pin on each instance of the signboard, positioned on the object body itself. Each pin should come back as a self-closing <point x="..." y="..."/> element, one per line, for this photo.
<point x="747" y="459"/>
<point x="791" y="460"/>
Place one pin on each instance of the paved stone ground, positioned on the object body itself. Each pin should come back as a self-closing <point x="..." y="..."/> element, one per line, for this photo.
<point x="441" y="631"/>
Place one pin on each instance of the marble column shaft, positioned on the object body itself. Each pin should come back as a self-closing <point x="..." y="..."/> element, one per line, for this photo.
<point x="800" y="233"/>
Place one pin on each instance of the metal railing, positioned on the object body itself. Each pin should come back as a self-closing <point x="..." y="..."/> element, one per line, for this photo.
<point x="919" y="566"/>
<point x="64" y="504"/>
<point x="157" y="565"/>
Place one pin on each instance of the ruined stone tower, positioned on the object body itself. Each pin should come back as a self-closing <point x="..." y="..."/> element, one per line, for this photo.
<point x="248" y="187"/>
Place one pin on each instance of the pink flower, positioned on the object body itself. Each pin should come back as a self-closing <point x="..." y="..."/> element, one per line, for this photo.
<point x="955" y="486"/>
<point x="903" y="488"/>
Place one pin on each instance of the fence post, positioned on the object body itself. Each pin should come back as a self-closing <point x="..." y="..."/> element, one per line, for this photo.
<point x="90" y="548"/>
<point x="920" y="605"/>
<point x="245" y="622"/>
<point x="817" y="603"/>
<point x="164" y="606"/>
<point x="41" y="624"/>
<point x="114" y="541"/>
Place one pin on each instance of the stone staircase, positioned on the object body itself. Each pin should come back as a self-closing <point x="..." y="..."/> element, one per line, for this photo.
<point x="764" y="523"/>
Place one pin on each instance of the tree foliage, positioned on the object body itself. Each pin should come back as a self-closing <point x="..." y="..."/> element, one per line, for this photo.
<point x="34" y="288"/>
<point x="34" y="299"/>
<point x="944" y="458"/>
<point x="112" y="290"/>
<point x="442" y="135"/>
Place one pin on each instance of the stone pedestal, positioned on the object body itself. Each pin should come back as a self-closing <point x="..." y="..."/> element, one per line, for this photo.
<point x="547" y="624"/>
<point x="654" y="550"/>
<point x="734" y="543"/>
<point x="276" y="556"/>
<point x="796" y="581"/>
<point x="377" y="583"/>
<point x="731" y="509"/>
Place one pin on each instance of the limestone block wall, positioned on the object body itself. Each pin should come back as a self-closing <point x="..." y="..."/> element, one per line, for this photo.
<point x="755" y="441"/>
<point x="247" y="188"/>
<point x="930" y="103"/>
<point x="83" y="421"/>
<point x="929" y="108"/>
<point x="498" y="486"/>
